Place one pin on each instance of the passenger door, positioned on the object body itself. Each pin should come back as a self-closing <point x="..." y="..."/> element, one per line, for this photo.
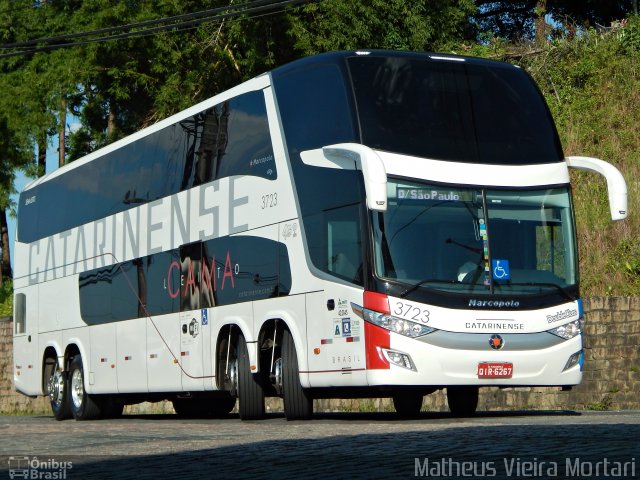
<point x="191" y="325"/>
<point x="26" y="375"/>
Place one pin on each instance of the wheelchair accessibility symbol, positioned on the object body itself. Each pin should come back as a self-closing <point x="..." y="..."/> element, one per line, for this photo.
<point x="500" y="269"/>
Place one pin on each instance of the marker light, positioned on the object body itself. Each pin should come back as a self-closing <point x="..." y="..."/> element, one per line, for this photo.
<point x="568" y="330"/>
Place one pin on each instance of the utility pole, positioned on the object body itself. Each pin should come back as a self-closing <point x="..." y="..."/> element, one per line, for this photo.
<point x="62" y="131"/>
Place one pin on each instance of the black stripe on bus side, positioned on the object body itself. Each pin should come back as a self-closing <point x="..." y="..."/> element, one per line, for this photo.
<point x="221" y="271"/>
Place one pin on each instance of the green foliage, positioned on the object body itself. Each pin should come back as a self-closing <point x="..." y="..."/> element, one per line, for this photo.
<point x="518" y="20"/>
<point x="592" y="87"/>
<point x="6" y="298"/>
<point x="14" y="153"/>
<point x="630" y="41"/>
<point x="387" y="24"/>
<point x="602" y="405"/>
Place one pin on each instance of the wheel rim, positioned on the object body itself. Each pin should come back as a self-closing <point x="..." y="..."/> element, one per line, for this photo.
<point x="277" y="376"/>
<point x="56" y="388"/>
<point x="77" y="389"/>
<point x="233" y="376"/>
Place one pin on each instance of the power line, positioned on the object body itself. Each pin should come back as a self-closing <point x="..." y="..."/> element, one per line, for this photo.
<point x="182" y="22"/>
<point x="146" y="23"/>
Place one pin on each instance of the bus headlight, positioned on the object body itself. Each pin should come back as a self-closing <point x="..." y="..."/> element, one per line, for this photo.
<point x="394" y="324"/>
<point x="568" y="330"/>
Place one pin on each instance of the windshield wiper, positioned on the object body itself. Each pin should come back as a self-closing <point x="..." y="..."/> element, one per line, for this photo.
<point x="555" y="286"/>
<point x="415" y="286"/>
<point x="538" y="284"/>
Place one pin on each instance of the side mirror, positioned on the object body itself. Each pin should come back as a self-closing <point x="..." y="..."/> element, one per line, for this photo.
<point x="616" y="185"/>
<point x="353" y="156"/>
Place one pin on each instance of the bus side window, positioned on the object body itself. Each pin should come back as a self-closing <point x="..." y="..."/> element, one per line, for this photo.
<point x="236" y="140"/>
<point x="343" y="246"/>
<point x="20" y="313"/>
<point x="335" y="243"/>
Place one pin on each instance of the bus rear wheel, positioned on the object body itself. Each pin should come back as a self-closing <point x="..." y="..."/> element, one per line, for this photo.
<point x="82" y="405"/>
<point x="298" y="404"/>
<point x="462" y="400"/>
<point x="250" y="392"/>
<point x="56" y="385"/>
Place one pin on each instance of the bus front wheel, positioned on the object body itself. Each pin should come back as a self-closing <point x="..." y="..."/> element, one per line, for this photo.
<point x="408" y="404"/>
<point x="462" y="400"/>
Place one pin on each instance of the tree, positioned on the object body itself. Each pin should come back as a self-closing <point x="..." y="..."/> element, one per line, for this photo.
<point x="14" y="153"/>
<point x="525" y="19"/>
<point x="387" y="24"/>
<point x="37" y="86"/>
<point x="114" y="94"/>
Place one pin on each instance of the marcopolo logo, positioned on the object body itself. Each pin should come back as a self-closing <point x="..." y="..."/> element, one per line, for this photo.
<point x="34" y="468"/>
<point x="473" y="302"/>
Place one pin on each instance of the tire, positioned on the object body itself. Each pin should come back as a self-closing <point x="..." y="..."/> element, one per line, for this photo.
<point x="250" y="393"/>
<point x="82" y="405"/>
<point x="408" y="404"/>
<point x="298" y="404"/>
<point x="204" y="407"/>
<point x="56" y="389"/>
<point x="462" y="401"/>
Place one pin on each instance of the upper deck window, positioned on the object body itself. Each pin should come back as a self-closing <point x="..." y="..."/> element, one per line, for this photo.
<point x="463" y="111"/>
<point x="315" y="106"/>
<point x="230" y="138"/>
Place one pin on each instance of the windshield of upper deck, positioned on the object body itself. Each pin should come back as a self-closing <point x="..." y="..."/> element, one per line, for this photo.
<point x="455" y="110"/>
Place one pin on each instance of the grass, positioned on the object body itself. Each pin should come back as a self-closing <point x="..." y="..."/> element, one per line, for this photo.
<point x="602" y="405"/>
<point x="592" y="87"/>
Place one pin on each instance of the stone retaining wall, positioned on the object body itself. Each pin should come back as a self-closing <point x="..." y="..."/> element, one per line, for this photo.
<point x="611" y="377"/>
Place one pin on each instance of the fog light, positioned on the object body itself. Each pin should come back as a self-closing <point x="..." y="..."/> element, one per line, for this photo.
<point x="575" y="359"/>
<point x="398" y="358"/>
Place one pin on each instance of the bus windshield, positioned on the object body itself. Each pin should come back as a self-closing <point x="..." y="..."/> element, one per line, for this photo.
<point x="474" y="240"/>
<point x="459" y="111"/>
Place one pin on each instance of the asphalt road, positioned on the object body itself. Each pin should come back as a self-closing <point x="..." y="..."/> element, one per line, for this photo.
<point x="564" y="444"/>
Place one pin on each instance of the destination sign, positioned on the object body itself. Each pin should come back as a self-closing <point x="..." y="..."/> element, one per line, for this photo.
<point x="419" y="193"/>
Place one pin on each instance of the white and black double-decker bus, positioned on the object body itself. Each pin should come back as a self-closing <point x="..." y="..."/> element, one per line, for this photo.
<point x="367" y="223"/>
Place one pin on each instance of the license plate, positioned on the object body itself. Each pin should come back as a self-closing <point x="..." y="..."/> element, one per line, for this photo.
<point x="495" y="370"/>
